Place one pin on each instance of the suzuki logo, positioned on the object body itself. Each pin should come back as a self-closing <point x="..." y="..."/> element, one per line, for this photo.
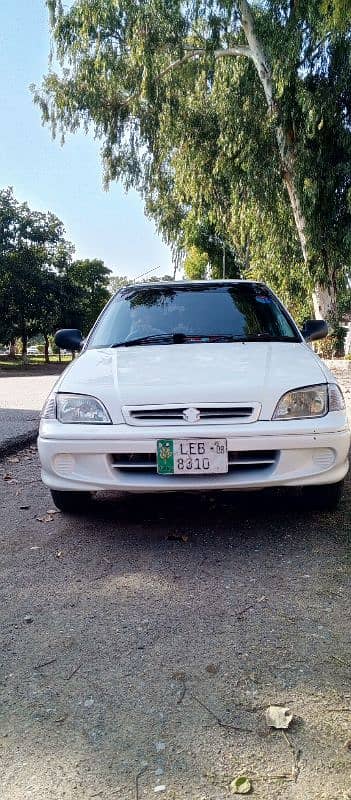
<point x="191" y="415"/>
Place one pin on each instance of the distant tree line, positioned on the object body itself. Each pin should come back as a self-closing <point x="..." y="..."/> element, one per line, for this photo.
<point x="42" y="286"/>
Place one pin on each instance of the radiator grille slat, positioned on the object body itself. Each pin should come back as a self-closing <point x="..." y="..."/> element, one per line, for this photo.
<point x="179" y="415"/>
<point x="237" y="461"/>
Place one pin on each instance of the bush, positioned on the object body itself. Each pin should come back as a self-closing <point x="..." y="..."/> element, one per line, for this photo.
<point x="334" y="344"/>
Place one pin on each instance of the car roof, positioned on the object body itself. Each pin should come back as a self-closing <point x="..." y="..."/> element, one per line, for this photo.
<point x="187" y="284"/>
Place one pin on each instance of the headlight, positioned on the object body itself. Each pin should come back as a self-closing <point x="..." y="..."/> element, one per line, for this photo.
<point x="311" y="401"/>
<point x="81" y="409"/>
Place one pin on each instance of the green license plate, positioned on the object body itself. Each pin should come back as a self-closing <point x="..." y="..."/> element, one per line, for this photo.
<point x="192" y="456"/>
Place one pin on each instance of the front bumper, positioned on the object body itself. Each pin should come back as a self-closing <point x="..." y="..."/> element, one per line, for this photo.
<point x="306" y="452"/>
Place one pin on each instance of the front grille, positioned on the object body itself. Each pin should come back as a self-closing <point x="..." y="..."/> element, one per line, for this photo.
<point x="238" y="461"/>
<point x="205" y="414"/>
<point x="138" y="462"/>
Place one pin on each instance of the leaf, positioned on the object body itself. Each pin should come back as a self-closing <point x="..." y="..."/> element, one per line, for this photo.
<point x="212" y="669"/>
<point x="278" y="717"/>
<point x="13" y="459"/>
<point x="45" y="518"/>
<point x="241" y="785"/>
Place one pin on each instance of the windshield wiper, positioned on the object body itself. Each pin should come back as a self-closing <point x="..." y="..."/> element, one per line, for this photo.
<point x="178" y="338"/>
<point x="161" y="338"/>
<point x="194" y="338"/>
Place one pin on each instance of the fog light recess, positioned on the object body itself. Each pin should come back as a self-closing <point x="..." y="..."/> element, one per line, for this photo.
<point x="64" y="463"/>
<point x="324" y="457"/>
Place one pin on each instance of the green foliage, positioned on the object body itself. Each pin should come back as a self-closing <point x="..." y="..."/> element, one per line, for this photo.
<point x="89" y="281"/>
<point x="192" y="132"/>
<point x="117" y="281"/>
<point x="31" y="246"/>
<point x="196" y="264"/>
<point x="41" y="288"/>
<point x="333" y="345"/>
<point x="337" y="14"/>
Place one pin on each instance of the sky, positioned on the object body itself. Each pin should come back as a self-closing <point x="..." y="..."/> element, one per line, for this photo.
<point x="65" y="180"/>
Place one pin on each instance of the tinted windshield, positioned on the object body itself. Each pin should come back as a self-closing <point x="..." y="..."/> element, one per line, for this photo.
<point x="242" y="311"/>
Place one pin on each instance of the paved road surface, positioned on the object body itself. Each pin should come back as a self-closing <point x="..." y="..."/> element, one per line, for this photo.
<point x="21" y="399"/>
<point x="147" y="637"/>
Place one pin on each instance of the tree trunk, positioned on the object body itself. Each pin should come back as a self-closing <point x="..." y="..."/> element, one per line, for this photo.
<point x="46" y="349"/>
<point x="24" y="339"/>
<point x="12" y="348"/>
<point x="324" y="302"/>
<point x="324" y="297"/>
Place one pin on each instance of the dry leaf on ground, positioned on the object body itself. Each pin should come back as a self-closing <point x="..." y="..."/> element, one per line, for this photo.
<point x="278" y="717"/>
<point x="212" y="669"/>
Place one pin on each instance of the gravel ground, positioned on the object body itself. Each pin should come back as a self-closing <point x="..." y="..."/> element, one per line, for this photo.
<point x="147" y="637"/>
<point x="157" y="633"/>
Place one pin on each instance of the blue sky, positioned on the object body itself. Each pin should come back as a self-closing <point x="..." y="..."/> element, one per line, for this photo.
<point x="65" y="180"/>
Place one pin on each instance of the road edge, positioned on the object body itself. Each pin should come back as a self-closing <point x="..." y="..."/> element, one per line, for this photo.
<point x="15" y="443"/>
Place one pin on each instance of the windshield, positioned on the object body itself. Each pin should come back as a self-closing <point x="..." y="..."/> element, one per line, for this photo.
<point x="182" y="314"/>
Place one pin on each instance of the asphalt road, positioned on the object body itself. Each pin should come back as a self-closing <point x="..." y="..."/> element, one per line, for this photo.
<point x="147" y="637"/>
<point x="21" y="399"/>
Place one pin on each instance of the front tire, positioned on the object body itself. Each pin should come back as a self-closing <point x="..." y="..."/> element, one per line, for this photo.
<point x="322" y="498"/>
<point x="71" y="502"/>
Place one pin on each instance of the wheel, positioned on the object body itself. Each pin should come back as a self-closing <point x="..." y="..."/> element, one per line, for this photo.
<point x="322" y="498"/>
<point x="73" y="502"/>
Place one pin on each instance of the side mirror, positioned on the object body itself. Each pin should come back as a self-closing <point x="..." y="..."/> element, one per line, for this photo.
<point x="314" y="329"/>
<point x="69" y="339"/>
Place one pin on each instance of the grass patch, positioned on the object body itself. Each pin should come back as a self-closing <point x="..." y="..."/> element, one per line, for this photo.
<point x="30" y="362"/>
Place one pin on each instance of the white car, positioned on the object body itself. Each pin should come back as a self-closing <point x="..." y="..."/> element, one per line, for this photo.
<point x="194" y="386"/>
<point x="33" y="350"/>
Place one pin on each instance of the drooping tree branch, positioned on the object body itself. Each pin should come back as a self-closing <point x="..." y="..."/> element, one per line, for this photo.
<point x="237" y="50"/>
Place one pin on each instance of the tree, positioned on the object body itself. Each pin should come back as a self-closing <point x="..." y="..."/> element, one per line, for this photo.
<point x="31" y="245"/>
<point x="48" y="308"/>
<point x="208" y="251"/>
<point x="117" y="281"/>
<point x="196" y="264"/>
<point x="132" y="70"/>
<point x="41" y="287"/>
<point x="85" y="287"/>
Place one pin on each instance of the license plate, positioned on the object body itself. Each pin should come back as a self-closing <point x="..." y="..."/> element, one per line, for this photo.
<point x="191" y="456"/>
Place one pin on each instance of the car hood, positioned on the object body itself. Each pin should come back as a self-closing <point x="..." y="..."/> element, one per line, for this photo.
<point x="239" y="372"/>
